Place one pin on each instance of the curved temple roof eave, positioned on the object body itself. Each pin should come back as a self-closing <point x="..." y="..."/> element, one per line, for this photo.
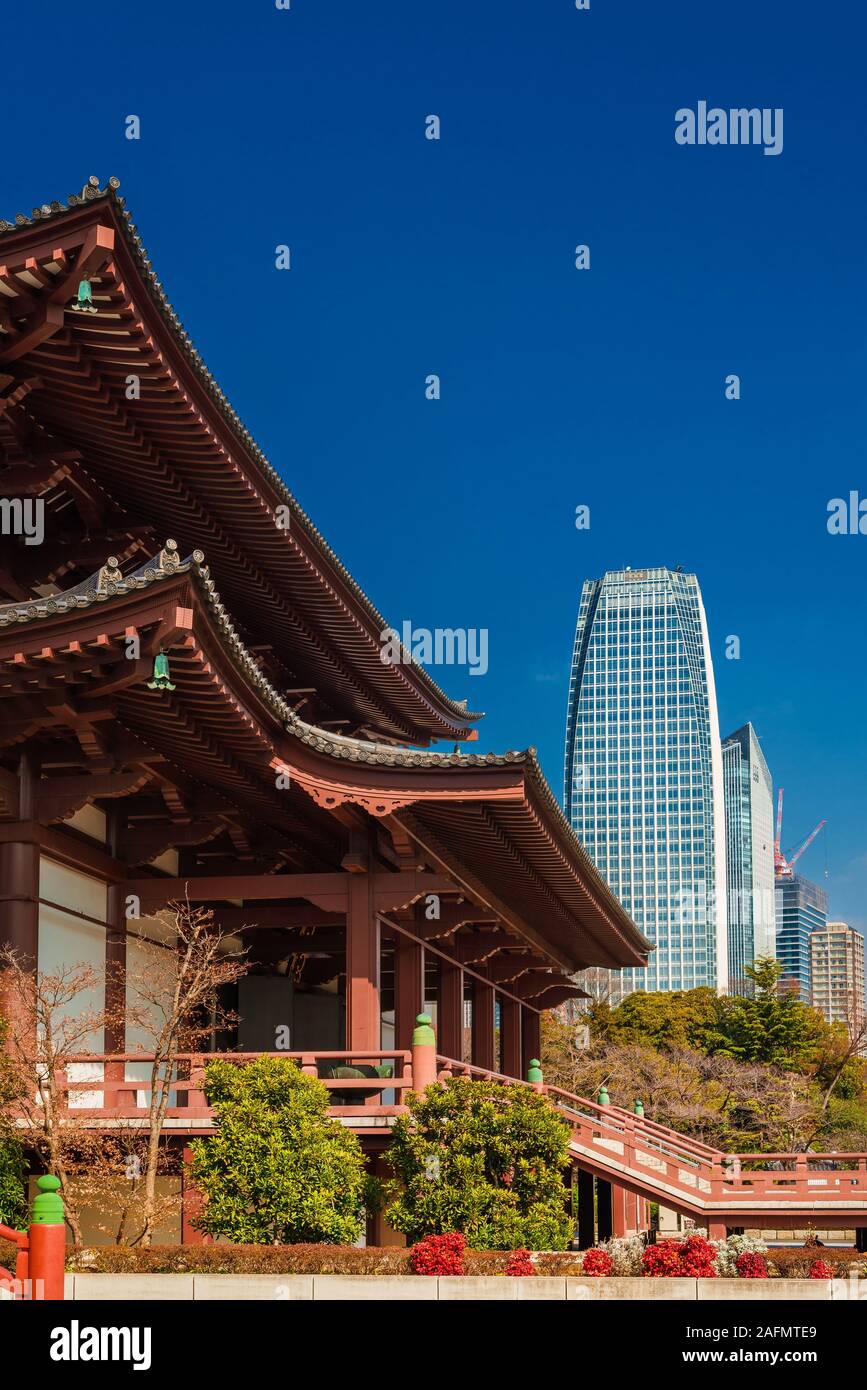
<point x="454" y="720"/>
<point x="339" y="748"/>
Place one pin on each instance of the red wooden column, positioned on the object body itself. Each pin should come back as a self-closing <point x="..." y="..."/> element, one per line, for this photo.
<point x="619" y="1211"/>
<point x="363" y="1026"/>
<point x="510" y="1031"/>
<point x="191" y="1206"/>
<point x="19" y="898"/>
<point x="115" y="971"/>
<point x="450" y="1011"/>
<point x="19" y="873"/>
<point x="408" y="988"/>
<point x="531" y="1038"/>
<point x="483" y="1025"/>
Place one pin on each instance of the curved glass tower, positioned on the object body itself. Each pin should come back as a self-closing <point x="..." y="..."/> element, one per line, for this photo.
<point x="644" y="783"/>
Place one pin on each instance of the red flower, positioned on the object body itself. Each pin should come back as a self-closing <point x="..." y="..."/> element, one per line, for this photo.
<point x="749" y="1265"/>
<point x="596" y="1263"/>
<point x="439" y="1255"/>
<point x="520" y="1264"/>
<point x="820" y="1269"/>
<point x="671" y="1259"/>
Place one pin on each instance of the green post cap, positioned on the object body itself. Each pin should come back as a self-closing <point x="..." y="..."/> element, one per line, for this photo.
<point x="423" y="1034"/>
<point x="534" y="1071"/>
<point x="638" y="1108"/>
<point x="48" y="1205"/>
<point x="604" y="1098"/>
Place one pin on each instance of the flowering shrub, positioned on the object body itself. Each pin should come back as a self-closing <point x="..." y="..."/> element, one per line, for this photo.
<point x="820" y="1269"/>
<point x="697" y="1258"/>
<point x="727" y="1252"/>
<point x="662" y="1260"/>
<point x="692" y="1258"/>
<point x="626" y="1253"/>
<point x="751" y="1266"/>
<point x="520" y="1264"/>
<point x="439" y="1254"/>
<point x="596" y="1263"/>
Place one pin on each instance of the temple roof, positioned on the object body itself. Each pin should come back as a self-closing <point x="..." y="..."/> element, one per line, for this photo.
<point x="490" y="820"/>
<point x="179" y="456"/>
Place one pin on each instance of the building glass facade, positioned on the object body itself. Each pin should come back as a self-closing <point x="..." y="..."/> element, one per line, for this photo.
<point x="801" y="909"/>
<point x="643" y="775"/>
<point x="749" y="853"/>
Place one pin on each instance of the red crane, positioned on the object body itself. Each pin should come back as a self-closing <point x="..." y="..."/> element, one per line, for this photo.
<point x="784" y="865"/>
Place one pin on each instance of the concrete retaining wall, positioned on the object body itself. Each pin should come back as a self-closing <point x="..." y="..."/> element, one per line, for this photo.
<point x="390" y="1288"/>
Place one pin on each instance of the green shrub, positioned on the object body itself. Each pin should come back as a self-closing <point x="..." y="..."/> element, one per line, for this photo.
<point x="13" y="1199"/>
<point x="279" y="1170"/>
<point x="484" y="1159"/>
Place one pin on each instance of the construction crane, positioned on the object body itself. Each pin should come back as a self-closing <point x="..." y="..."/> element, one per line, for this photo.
<point x="784" y="865"/>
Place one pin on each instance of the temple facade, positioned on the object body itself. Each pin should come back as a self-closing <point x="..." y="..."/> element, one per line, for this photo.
<point x="195" y="707"/>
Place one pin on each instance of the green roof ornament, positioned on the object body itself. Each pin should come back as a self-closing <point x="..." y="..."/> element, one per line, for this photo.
<point x="161" y="678"/>
<point x="604" y="1098"/>
<point x="638" y="1108"/>
<point x="84" y="304"/>
<point x="534" y="1071"/>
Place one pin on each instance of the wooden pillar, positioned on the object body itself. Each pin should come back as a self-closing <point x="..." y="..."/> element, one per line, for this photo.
<point x="450" y="1011"/>
<point x="19" y="898"/>
<point x="483" y="1026"/>
<point x="604" y="1209"/>
<point x="19" y="873"/>
<point x="115" y="971"/>
<point x="531" y="1038"/>
<point x="408" y="988"/>
<point x="510" y="1031"/>
<point x="582" y="1184"/>
<point x="191" y="1205"/>
<point x="619" y="1210"/>
<point x="363" y="1025"/>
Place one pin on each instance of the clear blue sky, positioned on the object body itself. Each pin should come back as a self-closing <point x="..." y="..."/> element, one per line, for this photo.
<point x="306" y="127"/>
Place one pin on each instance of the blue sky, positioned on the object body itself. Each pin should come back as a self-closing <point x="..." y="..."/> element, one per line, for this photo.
<point x="605" y="387"/>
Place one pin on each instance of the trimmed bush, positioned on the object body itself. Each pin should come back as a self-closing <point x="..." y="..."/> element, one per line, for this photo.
<point x="751" y="1266"/>
<point x="692" y="1258"/>
<point x="520" y="1265"/>
<point x="13" y="1202"/>
<point x="285" y="1259"/>
<point x="278" y="1170"/>
<point x="439" y="1255"/>
<point x="483" y="1159"/>
<point x="596" y="1264"/>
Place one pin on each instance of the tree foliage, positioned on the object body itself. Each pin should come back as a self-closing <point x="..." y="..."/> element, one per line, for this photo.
<point x="278" y="1170"/>
<point x="483" y="1159"/>
<point x="756" y="1072"/>
<point x="13" y="1204"/>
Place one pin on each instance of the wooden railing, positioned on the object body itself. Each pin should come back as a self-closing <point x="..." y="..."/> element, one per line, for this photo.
<point x="628" y="1149"/>
<point x="674" y="1169"/>
<point x="98" y="1086"/>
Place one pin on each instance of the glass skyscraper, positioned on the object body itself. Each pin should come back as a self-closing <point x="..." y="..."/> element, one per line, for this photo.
<point x="643" y="783"/>
<point x="802" y="908"/>
<point x="749" y="852"/>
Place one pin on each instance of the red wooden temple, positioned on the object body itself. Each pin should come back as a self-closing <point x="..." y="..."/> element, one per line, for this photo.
<point x="279" y="771"/>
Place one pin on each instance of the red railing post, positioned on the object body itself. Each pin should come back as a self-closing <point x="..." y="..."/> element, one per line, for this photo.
<point x="47" y="1241"/>
<point x="424" y="1054"/>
